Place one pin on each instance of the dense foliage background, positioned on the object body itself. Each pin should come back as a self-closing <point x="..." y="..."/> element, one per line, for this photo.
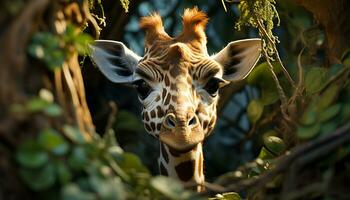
<point x="68" y="133"/>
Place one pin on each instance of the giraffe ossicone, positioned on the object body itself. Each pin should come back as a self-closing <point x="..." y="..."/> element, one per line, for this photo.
<point x="178" y="85"/>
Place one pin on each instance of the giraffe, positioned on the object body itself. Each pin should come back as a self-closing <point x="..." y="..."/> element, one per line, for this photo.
<point x="178" y="85"/>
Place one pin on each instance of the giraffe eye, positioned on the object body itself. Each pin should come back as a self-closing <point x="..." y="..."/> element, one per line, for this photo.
<point x="212" y="87"/>
<point x="143" y="89"/>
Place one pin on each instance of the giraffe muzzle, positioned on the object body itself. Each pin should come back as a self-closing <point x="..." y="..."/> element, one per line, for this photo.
<point x="181" y="131"/>
<point x="171" y="122"/>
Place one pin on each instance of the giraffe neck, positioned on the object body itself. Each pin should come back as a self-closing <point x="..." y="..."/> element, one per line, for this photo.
<point x="184" y="166"/>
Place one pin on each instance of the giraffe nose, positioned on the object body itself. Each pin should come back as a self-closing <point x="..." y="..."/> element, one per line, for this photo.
<point x="171" y="121"/>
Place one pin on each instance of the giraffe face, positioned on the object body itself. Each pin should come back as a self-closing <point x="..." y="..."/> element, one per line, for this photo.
<point x="178" y="89"/>
<point x="176" y="80"/>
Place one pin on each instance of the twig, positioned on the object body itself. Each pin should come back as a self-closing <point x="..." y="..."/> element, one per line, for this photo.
<point x="278" y="85"/>
<point x="223" y="4"/>
<point x="300" y="74"/>
<point x="344" y="71"/>
<point x="214" y="187"/>
<point x="305" y="153"/>
<point x="300" y="86"/>
<point x="285" y="72"/>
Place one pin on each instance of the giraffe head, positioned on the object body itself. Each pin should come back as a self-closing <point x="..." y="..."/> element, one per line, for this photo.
<point x="177" y="81"/>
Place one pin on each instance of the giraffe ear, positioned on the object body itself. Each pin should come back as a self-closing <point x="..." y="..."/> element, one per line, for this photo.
<point x="238" y="58"/>
<point x="115" y="60"/>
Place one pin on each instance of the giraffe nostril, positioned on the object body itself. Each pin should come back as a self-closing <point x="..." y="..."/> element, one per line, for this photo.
<point x="169" y="121"/>
<point x="193" y="121"/>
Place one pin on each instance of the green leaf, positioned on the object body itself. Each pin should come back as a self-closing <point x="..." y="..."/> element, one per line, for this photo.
<point x="309" y="117"/>
<point x="254" y="110"/>
<point x="46" y="47"/>
<point x="52" y="141"/>
<point x="315" y="79"/>
<point x="335" y="69"/>
<point x="328" y="96"/>
<point x="53" y="110"/>
<point x="55" y="59"/>
<point x="130" y="162"/>
<point x="78" y="158"/>
<point x="346" y="58"/>
<point x="274" y="144"/>
<point x="226" y="196"/>
<point x="329" y="113"/>
<point x="39" y="179"/>
<point x="261" y="75"/>
<point x="29" y="155"/>
<point x="36" y="104"/>
<point x="168" y="187"/>
<point x="307" y="132"/>
<point x="231" y="196"/>
<point x="111" y="188"/>
<point x="73" y="192"/>
<point x="265" y="154"/>
<point x="269" y="95"/>
<point x="328" y="127"/>
<point x="63" y="173"/>
<point x="73" y="134"/>
<point x="78" y="39"/>
<point x="81" y="42"/>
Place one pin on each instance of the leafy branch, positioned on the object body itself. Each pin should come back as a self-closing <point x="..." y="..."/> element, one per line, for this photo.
<point x="260" y="14"/>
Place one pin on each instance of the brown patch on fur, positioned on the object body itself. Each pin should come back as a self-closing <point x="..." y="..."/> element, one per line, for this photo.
<point x="173" y="86"/>
<point x="148" y="128"/>
<point x="166" y="80"/>
<point x="185" y="170"/>
<point x="146" y="116"/>
<point x="159" y="126"/>
<point x="153" y="114"/>
<point x="171" y="107"/>
<point x="173" y="98"/>
<point x="205" y="124"/>
<point x="177" y="153"/>
<point x="163" y="93"/>
<point x="167" y="100"/>
<point x="153" y="126"/>
<point x="160" y="112"/>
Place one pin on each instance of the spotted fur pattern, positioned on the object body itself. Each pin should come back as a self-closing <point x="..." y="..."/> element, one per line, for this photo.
<point x="179" y="107"/>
